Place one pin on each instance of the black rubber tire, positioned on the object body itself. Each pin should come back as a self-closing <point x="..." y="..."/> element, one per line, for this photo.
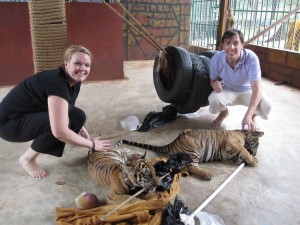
<point x="206" y="62"/>
<point x="205" y="86"/>
<point x="209" y="54"/>
<point x="172" y="85"/>
<point x="201" y="89"/>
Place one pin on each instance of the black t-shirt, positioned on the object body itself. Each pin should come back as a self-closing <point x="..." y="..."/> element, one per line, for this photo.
<point x="32" y="93"/>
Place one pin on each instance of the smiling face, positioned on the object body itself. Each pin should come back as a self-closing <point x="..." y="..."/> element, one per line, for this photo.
<point x="78" y="67"/>
<point x="232" y="47"/>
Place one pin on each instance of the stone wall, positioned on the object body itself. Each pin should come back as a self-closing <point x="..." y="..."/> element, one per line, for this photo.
<point x="167" y="21"/>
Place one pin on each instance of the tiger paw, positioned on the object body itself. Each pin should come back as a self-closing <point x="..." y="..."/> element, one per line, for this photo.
<point x="204" y="174"/>
<point x="208" y="176"/>
<point x="253" y="162"/>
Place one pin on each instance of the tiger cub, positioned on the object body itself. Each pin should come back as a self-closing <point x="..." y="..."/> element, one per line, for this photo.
<point x="210" y="145"/>
<point x="122" y="171"/>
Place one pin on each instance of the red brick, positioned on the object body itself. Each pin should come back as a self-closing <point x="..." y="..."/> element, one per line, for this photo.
<point x="185" y="1"/>
<point x="166" y="20"/>
<point x="159" y="32"/>
<point x="185" y="10"/>
<point x="174" y="41"/>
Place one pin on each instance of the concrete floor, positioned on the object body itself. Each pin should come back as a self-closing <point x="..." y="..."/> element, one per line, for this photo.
<point x="266" y="195"/>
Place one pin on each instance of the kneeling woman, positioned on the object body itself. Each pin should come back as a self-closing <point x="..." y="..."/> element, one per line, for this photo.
<point x="42" y="109"/>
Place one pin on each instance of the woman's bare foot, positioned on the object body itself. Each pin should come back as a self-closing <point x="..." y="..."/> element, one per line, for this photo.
<point x="218" y="121"/>
<point x="28" y="162"/>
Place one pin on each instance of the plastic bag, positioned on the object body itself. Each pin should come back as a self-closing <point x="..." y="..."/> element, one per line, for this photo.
<point x="130" y="123"/>
<point x="158" y="119"/>
<point x="205" y="218"/>
<point x="209" y="219"/>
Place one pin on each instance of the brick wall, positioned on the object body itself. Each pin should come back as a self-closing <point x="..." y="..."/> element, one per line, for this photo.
<point x="167" y="21"/>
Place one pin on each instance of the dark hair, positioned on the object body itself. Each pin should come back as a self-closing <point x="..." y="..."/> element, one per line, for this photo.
<point x="231" y="32"/>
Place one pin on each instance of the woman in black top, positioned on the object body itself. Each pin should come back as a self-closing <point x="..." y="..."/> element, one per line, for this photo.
<point x="42" y="109"/>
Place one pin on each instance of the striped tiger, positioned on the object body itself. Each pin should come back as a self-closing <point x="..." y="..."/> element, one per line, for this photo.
<point x="123" y="172"/>
<point x="210" y="145"/>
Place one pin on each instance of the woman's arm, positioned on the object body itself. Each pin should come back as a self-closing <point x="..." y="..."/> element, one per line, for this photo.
<point x="59" y="120"/>
<point x="84" y="133"/>
<point x="254" y="101"/>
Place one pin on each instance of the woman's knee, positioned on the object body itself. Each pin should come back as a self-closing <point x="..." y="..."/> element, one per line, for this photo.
<point x="215" y="105"/>
<point x="265" y="107"/>
<point x="212" y="99"/>
<point x="26" y="127"/>
<point x="77" y="119"/>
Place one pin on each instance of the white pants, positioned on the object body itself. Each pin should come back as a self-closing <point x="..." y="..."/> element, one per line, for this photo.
<point x="219" y="101"/>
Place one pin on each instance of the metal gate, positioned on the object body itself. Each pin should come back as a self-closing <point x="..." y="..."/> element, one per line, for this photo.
<point x="251" y="17"/>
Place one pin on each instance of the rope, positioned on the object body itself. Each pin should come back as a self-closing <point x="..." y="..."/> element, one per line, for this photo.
<point x="144" y="34"/>
<point x="48" y="33"/>
<point x="230" y="16"/>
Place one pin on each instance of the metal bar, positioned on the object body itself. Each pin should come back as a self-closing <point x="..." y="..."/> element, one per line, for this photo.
<point x="217" y="191"/>
<point x="273" y="25"/>
<point x="239" y="10"/>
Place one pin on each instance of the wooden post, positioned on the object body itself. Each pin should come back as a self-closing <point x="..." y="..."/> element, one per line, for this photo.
<point x="223" y="21"/>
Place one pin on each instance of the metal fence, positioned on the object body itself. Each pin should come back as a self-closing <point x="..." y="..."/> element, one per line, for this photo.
<point x="251" y="17"/>
<point x="204" y="23"/>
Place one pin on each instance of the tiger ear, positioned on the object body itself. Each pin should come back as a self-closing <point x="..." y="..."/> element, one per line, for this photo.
<point x="258" y="133"/>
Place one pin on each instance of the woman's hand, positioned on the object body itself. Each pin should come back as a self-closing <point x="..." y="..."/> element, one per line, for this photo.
<point x="84" y="133"/>
<point x="249" y="123"/>
<point x="101" y="145"/>
<point x="217" y="85"/>
<point x="249" y="118"/>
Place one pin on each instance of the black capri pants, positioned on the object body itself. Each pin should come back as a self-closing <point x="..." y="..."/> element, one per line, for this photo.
<point x="36" y="127"/>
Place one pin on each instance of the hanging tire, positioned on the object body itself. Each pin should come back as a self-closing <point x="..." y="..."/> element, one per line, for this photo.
<point x="173" y="83"/>
<point x="205" y="86"/>
<point x="201" y="89"/>
<point x="206" y="62"/>
<point x="209" y="54"/>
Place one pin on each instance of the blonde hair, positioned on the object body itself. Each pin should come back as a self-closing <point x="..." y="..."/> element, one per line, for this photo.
<point x="73" y="49"/>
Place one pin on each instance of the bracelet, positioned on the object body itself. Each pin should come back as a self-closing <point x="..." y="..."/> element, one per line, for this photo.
<point x="93" y="145"/>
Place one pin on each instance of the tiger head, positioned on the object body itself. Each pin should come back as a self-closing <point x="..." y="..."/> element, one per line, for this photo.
<point x="144" y="175"/>
<point x="252" y="140"/>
